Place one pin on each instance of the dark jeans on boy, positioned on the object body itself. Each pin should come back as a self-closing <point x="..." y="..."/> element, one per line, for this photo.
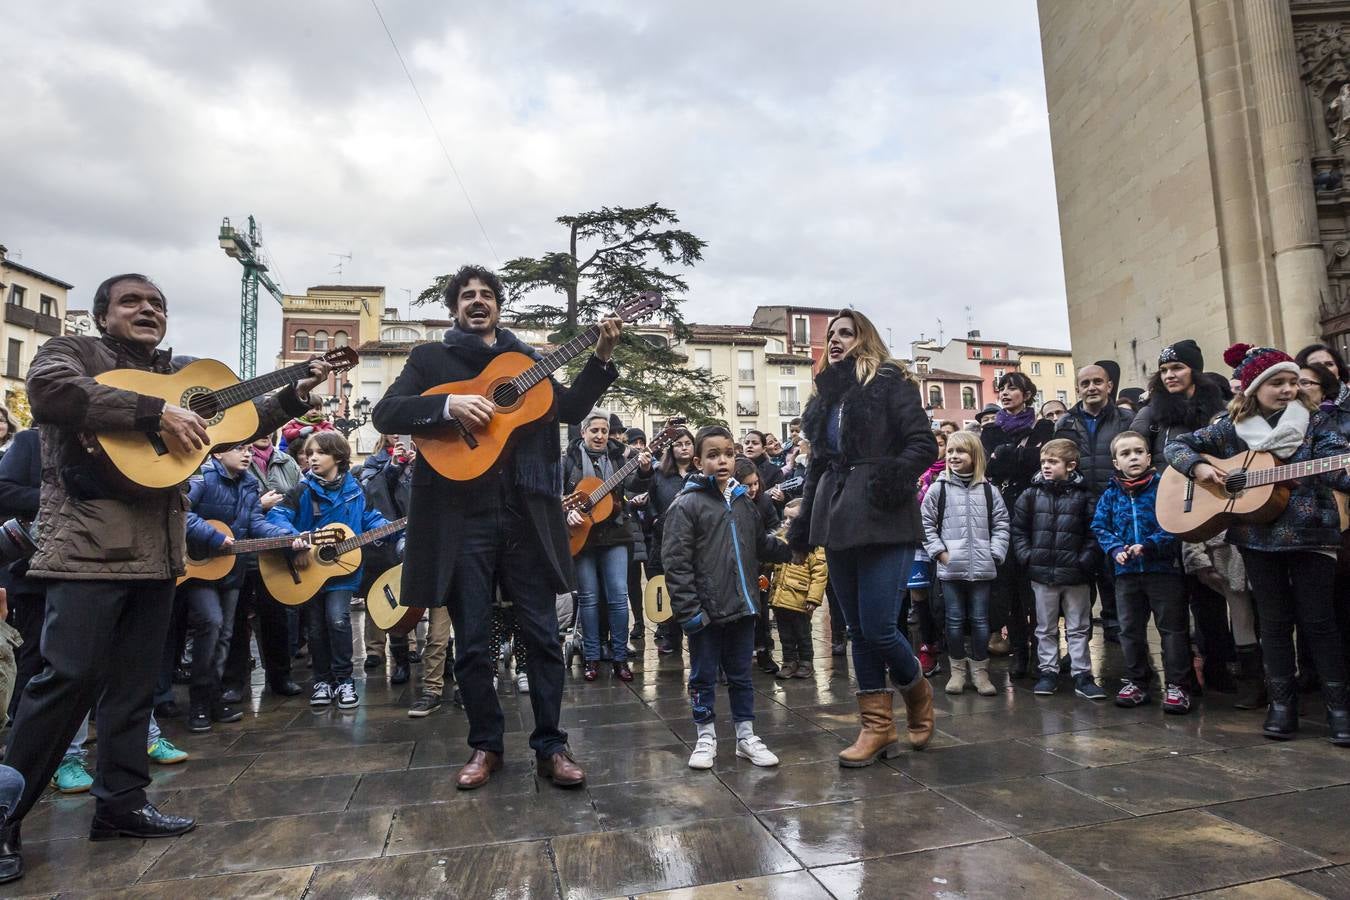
<point x="1012" y="604"/>
<point x="1296" y="587"/>
<point x="794" y="633"/>
<point x="211" y="616"/>
<point x="967" y="603"/>
<point x="1163" y="594"/>
<point x="270" y="624"/>
<point x="330" y="636"/>
<point x="730" y="645"/>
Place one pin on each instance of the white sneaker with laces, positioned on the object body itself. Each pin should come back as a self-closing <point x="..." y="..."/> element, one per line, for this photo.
<point x="522" y="683"/>
<point x="705" y="751"/>
<point x="346" y="695"/>
<point x="753" y="749"/>
<point x="322" y="696"/>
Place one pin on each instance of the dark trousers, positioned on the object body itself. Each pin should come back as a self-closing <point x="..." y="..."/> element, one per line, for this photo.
<point x="730" y="645"/>
<point x="27" y="611"/>
<point x="763" y="632"/>
<point x="330" y="636"/>
<point x="838" y="628"/>
<point x="100" y="643"/>
<point x="1106" y="593"/>
<point x="1011" y="603"/>
<point x="967" y="604"/>
<point x="1213" y="639"/>
<point x="639" y="623"/>
<point x="1164" y="595"/>
<point x="211" y="617"/>
<point x="1296" y="587"/>
<point x="496" y="547"/>
<point x="867" y="581"/>
<point x="794" y="632"/>
<point x="174" y="643"/>
<point x="270" y="624"/>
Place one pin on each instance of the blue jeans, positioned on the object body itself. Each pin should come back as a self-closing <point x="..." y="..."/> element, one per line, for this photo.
<point x="967" y="601"/>
<point x="609" y="564"/>
<point x="11" y="789"/>
<point x="330" y="636"/>
<point x="867" y="581"/>
<point x="730" y="645"/>
<point x="211" y="615"/>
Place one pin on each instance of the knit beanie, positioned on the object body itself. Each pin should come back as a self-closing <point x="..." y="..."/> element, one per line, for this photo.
<point x="1186" y="352"/>
<point x="1253" y="365"/>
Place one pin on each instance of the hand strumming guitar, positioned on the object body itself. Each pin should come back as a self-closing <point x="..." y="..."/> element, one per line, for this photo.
<point x="184" y="428"/>
<point x="470" y="410"/>
<point x="609" y="338"/>
<point x="574" y="518"/>
<point x="1204" y="473"/>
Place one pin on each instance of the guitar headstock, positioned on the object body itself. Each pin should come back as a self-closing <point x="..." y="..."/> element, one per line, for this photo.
<point x="341" y="358"/>
<point x="641" y="306"/>
<point x="665" y="438"/>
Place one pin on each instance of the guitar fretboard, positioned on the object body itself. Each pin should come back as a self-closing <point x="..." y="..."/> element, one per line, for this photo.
<point x="1290" y="471"/>
<point x="256" y="387"/>
<point x="656" y="449"/>
<point x="371" y="536"/>
<point x="556" y="360"/>
<point x="274" y="543"/>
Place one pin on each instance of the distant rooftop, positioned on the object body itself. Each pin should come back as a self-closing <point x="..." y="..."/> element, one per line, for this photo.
<point x="349" y="288"/>
<point x="20" y="267"/>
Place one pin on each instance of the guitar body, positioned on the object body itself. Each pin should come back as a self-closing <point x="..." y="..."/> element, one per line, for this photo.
<point x="655" y="600"/>
<point x="210" y="568"/>
<point x="1197" y="512"/>
<point x="293" y="586"/>
<point x="147" y="459"/>
<point x="576" y="536"/>
<point x="444" y="447"/>
<point x="382" y="604"/>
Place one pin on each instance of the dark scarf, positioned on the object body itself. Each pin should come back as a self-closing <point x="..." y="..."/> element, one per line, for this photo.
<point x="1016" y="425"/>
<point x="535" y="455"/>
<point x="1134" y="486"/>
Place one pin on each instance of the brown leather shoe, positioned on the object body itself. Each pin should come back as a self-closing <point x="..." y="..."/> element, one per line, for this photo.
<point x="561" y="769"/>
<point x="478" y="770"/>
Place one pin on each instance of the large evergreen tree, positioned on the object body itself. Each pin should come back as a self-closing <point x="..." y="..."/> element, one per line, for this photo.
<point x="612" y="254"/>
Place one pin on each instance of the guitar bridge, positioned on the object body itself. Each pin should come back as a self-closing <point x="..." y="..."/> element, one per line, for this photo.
<point x="157" y="443"/>
<point x="469" y="440"/>
<point x="390" y="598"/>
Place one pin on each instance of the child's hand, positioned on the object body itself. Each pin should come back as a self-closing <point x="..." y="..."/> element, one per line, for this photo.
<point x="943" y="557"/>
<point x="1137" y="551"/>
<point x="574" y="518"/>
<point x="1123" y="557"/>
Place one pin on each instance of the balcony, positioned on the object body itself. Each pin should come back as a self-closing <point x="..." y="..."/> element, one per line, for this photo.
<point x="747" y="409"/>
<point x="789" y="407"/>
<point x="745" y="374"/>
<point x="27" y="318"/>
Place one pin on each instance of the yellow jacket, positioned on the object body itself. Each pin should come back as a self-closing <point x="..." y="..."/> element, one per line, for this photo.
<point x="800" y="588"/>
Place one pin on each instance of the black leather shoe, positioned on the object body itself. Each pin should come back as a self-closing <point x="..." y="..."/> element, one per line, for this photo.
<point x="11" y="857"/>
<point x="199" y="720"/>
<point x="169" y="709"/>
<point x="373" y="662"/>
<point x="146" y="822"/>
<point x="400" y="674"/>
<point x="414" y="657"/>
<point x="231" y="696"/>
<point x="285" y="687"/>
<point x="224" y="712"/>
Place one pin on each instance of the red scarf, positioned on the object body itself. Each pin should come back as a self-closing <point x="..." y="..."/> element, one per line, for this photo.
<point x="1135" y="485"/>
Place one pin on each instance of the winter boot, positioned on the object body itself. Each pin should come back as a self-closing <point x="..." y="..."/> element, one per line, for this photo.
<point x="1251" y="682"/>
<point x="957" y="683"/>
<point x="979" y="673"/>
<point x="918" y="698"/>
<point x="1337" y="699"/>
<point x="878" y="738"/>
<point x="1282" y="717"/>
<point x="1021" y="662"/>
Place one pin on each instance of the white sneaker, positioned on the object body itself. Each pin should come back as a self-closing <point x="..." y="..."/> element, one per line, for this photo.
<point x="522" y="683"/>
<point x="346" y="696"/>
<point x="323" y="694"/>
<point x="705" y="752"/>
<point x="753" y="749"/>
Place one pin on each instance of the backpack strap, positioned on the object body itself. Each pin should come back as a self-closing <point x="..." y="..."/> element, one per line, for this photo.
<point x="941" y="506"/>
<point x="989" y="507"/>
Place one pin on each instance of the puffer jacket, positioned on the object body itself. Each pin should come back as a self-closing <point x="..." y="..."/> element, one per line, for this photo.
<point x="1051" y="536"/>
<point x="1095" y="447"/>
<point x="973" y="550"/>
<point x="88" y="527"/>
<point x="344" y="502"/>
<point x="216" y="494"/>
<point x="1127" y="517"/>
<point x="711" y="550"/>
<point x="281" y="473"/>
<point x="1312" y="520"/>
<point x="614" y="531"/>
<point x="304" y="426"/>
<point x="800" y="588"/>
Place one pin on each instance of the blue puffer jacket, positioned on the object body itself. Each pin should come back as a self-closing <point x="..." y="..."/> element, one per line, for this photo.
<point x="1125" y="518"/>
<point x="216" y="494"/>
<point x="344" y="502"/>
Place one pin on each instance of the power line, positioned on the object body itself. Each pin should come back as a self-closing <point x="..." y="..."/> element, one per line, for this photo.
<point x="434" y="130"/>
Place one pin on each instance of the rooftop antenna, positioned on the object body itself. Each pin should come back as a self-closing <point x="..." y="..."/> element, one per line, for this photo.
<point x="341" y="258"/>
<point x="970" y="320"/>
<point x="940" y="333"/>
<point x="408" y="291"/>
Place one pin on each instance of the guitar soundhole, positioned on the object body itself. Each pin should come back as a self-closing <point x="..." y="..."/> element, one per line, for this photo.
<point x="505" y="395"/>
<point x="325" y="554"/>
<point x="203" y="402"/>
<point x="1235" y="483"/>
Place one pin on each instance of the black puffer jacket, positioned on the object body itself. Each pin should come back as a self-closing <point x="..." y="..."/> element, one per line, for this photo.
<point x="862" y="492"/>
<point x="1095" y="463"/>
<point x="1052" y="531"/>
<point x="614" y="531"/>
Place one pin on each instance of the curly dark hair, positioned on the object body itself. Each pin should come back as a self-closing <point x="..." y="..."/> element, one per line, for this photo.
<point x="467" y="274"/>
<point x="1301" y="358"/>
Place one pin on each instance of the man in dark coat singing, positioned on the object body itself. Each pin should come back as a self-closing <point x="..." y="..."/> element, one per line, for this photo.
<point x="505" y="527"/>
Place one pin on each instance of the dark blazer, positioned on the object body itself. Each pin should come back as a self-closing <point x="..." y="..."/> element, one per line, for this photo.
<point x="21" y="476"/>
<point x="439" y="505"/>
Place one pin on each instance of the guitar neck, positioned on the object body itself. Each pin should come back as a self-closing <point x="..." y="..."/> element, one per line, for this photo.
<point x="557" y="359"/>
<point x="256" y="387"/>
<point x="254" y="545"/>
<point x="613" y="481"/>
<point x="371" y="536"/>
<point x="1291" y="471"/>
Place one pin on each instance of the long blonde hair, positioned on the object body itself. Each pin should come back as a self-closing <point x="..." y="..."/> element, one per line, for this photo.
<point x="869" y="354"/>
<point x="1244" y="406"/>
<point x="968" y="442"/>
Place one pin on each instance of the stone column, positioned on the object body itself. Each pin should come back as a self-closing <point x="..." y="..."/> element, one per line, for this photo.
<point x="1300" y="264"/>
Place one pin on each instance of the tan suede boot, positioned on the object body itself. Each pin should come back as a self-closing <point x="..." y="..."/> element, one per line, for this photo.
<point x="957" y="683"/>
<point x="979" y="673"/>
<point x="878" y="738"/>
<point x="918" y="712"/>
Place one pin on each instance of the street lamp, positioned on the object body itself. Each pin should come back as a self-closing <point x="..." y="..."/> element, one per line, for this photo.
<point x="346" y="422"/>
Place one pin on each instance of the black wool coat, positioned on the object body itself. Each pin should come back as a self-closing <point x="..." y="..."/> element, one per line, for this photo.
<point x="438" y="505"/>
<point x="866" y="490"/>
<point x="1012" y="462"/>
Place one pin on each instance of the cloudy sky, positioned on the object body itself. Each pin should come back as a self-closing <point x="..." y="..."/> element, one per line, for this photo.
<point x="892" y="155"/>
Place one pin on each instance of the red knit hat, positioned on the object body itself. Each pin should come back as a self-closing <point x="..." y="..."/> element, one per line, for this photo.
<point x="1253" y="365"/>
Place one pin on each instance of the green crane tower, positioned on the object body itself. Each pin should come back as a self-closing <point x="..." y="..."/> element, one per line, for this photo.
<point x="245" y="249"/>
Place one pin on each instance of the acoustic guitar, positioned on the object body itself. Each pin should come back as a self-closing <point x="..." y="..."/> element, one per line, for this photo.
<point x="293" y="586"/>
<point x="655" y="600"/>
<point x="594" y="498"/>
<point x="1254" y="493"/>
<point x="382" y="604"/>
<point x="520" y="392"/>
<point x="212" y="391"/>
<point x="216" y="566"/>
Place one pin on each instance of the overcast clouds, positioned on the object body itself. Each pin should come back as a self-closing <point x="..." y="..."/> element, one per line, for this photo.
<point x="890" y="154"/>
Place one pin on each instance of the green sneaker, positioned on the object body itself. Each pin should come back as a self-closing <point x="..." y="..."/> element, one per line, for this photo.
<point x="166" y="754"/>
<point x="72" y="777"/>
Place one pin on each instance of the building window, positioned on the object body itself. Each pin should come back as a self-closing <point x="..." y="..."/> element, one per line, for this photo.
<point x="703" y="360"/>
<point x="16" y="295"/>
<point x="774" y="345"/>
<point x="339" y="339"/>
<point x="399" y="333"/>
<point x="746" y="404"/>
<point x="370" y="361"/>
<point x="302" y="340"/>
<point x="787" y="370"/>
<point x="967" y="397"/>
<point x="935" y="396"/>
<point x="321" y="340"/>
<point x="998" y="353"/>
<point x="801" y="331"/>
<point x="1035" y="368"/>
<point x="1059" y="370"/>
<point x="745" y="365"/>
<point x="998" y="373"/>
<point x="15" y="359"/>
<point x="1062" y="396"/>
<point x="788" y="404"/>
<point x="47" y="305"/>
<point x="976" y="353"/>
<point x="922" y="368"/>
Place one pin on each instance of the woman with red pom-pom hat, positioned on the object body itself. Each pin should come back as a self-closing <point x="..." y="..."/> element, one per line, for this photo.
<point x="1291" y="562"/>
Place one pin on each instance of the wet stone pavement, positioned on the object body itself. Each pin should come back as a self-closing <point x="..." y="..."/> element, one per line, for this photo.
<point x="1018" y="795"/>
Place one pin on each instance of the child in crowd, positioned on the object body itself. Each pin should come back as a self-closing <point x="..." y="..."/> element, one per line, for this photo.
<point x="966" y="531"/>
<point x="1147" y="565"/>
<point x="1052" y="542"/>
<point x="328" y="494"/>
<point x="747" y="475"/>
<point x="797" y="589"/>
<point x="713" y="543"/>
<point x="923" y="596"/>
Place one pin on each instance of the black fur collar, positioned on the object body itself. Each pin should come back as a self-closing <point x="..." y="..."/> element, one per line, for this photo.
<point x="1193" y="412"/>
